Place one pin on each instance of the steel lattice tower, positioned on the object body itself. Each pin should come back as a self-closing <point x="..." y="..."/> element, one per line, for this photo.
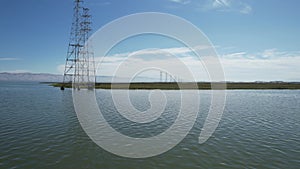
<point x="79" y="67"/>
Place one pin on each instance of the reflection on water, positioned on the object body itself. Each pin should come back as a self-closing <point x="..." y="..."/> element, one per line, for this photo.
<point x="39" y="129"/>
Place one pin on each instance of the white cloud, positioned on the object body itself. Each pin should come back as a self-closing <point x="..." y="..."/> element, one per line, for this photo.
<point x="237" y="6"/>
<point x="246" y="9"/>
<point x="177" y="51"/>
<point x="220" y="3"/>
<point x="184" y="2"/>
<point x="263" y="55"/>
<point x="262" y="70"/>
<point x="165" y="58"/>
<point x="8" y="59"/>
<point x="226" y="6"/>
<point x="267" y="65"/>
<point x="234" y="55"/>
<point x="60" y="68"/>
<point x="17" y="71"/>
<point x="99" y="3"/>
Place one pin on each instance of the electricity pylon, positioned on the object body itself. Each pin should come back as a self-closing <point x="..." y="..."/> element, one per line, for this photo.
<point x="80" y="66"/>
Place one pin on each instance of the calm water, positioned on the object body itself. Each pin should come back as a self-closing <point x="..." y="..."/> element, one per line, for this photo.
<point x="39" y="129"/>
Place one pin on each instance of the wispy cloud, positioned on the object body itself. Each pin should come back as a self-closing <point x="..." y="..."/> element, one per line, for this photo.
<point x="266" y="65"/>
<point x="164" y="57"/>
<point x="60" y="68"/>
<point x="184" y="2"/>
<point x="16" y="71"/>
<point x="8" y="58"/>
<point x="220" y="3"/>
<point x="263" y="55"/>
<point x="238" y="6"/>
<point x="99" y="3"/>
<point x="226" y="6"/>
<point x="246" y="9"/>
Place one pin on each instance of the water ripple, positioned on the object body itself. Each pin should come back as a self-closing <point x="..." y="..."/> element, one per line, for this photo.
<point x="39" y="129"/>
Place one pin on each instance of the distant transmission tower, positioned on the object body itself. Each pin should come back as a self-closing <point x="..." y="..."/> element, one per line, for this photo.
<point x="161" y="76"/>
<point x="80" y="66"/>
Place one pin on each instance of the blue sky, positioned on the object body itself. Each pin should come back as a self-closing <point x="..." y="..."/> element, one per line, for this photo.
<point x="261" y="39"/>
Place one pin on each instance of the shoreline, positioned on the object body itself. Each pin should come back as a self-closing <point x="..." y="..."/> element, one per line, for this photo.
<point x="190" y="85"/>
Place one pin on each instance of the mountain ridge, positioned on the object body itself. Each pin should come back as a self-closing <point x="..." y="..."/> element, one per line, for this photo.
<point x="30" y="77"/>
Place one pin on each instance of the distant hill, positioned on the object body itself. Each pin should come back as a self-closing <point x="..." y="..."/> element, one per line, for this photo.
<point x="47" y="77"/>
<point x="30" y="77"/>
